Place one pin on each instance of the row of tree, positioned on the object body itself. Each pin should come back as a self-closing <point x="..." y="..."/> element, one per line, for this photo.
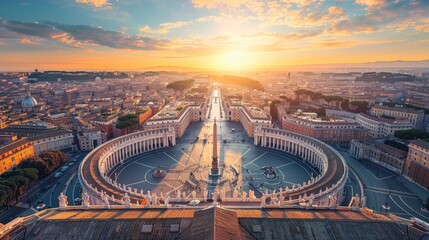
<point x="239" y="81"/>
<point x="317" y="96"/>
<point x="13" y="183"/>
<point x="181" y="85"/>
<point x="412" y="134"/>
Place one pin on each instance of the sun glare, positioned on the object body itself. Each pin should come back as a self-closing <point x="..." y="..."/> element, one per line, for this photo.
<point x="233" y="60"/>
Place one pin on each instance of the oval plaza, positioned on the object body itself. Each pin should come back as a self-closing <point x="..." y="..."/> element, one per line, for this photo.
<point x="215" y="159"/>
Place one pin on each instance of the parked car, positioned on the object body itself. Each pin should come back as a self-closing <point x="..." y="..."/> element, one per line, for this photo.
<point x="40" y="205"/>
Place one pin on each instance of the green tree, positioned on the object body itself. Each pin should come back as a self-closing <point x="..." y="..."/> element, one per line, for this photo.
<point x="411" y="134"/>
<point x="273" y="109"/>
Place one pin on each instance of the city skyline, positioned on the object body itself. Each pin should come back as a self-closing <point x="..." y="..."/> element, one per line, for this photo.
<point x="209" y="35"/>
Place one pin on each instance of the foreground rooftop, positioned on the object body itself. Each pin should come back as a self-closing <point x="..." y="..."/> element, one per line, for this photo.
<point x="212" y="223"/>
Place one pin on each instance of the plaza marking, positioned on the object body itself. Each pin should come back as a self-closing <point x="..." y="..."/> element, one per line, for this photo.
<point x="413" y="209"/>
<point x="306" y="169"/>
<point x="189" y="157"/>
<point x="256" y="159"/>
<point x="395" y="192"/>
<point x="236" y="160"/>
<point x="284" y="165"/>
<point x="425" y="218"/>
<point x="379" y="179"/>
<point x="143" y="181"/>
<point x="174" y="159"/>
<point x="174" y="189"/>
<point x="399" y="206"/>
<point x="254" y="165"/>
<point x="139" y="163"/>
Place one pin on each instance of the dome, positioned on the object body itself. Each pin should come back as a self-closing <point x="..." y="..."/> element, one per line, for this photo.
<point x="98" y="79"/>
<point x="29" y="102"/>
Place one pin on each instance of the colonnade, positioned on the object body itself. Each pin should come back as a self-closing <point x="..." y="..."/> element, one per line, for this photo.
<point x="328" y="185"/>
<point x="293" y="144"/>
<point x="134" y="145"/>
<point x="115" y="152"/>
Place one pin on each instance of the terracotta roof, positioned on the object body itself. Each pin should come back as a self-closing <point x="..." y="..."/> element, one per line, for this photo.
<point x="211" y="223"/>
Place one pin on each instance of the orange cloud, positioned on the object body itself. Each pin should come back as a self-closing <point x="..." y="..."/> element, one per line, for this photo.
<point x="28" y="41"/>
<point x="371" y="3"/>
<point x="95" y="3"/>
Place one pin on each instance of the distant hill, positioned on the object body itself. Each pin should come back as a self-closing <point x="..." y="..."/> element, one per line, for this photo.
<point x="239" y="81"/>
<point x="366" y="65"/>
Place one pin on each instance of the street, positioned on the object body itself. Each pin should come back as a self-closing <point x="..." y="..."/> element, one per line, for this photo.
<point x="49" y="190"/>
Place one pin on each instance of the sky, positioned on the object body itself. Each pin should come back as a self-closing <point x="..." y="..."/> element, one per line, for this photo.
<point x="208" y="34"/>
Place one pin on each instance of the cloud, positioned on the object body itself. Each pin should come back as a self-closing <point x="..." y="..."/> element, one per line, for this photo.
<point x="166" y="27"/>
<point x="28" y="41"/>
<point x="292" y="13"/>
<point x="95" y="3"/>
<point x="382" y="15"/>
<point x="371" y="3"/>
<point x="219" y="3"/>
<point x="80" y="35"/>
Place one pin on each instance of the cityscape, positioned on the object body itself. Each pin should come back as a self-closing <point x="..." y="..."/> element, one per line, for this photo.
<point x="201" y="119"/>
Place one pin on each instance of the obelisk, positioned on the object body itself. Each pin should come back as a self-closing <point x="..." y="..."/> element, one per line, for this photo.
<point x="215" y="167"/>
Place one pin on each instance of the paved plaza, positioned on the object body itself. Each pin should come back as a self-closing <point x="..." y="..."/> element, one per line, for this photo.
<point x="404" y="198"/>
<point x="188" y="164"/>
<point x="192" y="155"/>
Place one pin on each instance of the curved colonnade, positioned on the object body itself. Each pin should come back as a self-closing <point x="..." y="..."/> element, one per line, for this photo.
<point x="95" y="166"/>
<point x="326" y="189"/>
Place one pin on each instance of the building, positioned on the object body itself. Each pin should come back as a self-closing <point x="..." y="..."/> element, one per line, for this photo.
<point x="60" y="139"/>
<point x="177" y="115"/>
<point x="90" y="138"/>
<point x="330" y="130"/>
<point x="248" y="115"/>
<point x="106" y="122"/>
<point x="379" y="153"/>
<point x="28" y="103"/>
<point x="28" y="129"/>
<point x="416" y="117"/>
<point x="13" y="153"/>
<point x="209" y="223"/>
<point x="381" y="126"/>
<point x="2" y="124"/>
<point x="417" y="164"/>
<point x="144" y="115"/>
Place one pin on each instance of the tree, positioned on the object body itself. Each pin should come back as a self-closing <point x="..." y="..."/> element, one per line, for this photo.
<point x="10" y="185"/>
<point x="4" y="195"/>
<point x="411" y="134"/>
<point x="45" y="163"/>
<point x="36" y="163"/>
<point x="181" y="85"/>
<point x="30" y="173"/>
<point x="284" y="98"/>
<point x="345" y="105"/>
<point x="359" y="106"/>
<point x="21" y="182"/>
<point x="273" y="109"/>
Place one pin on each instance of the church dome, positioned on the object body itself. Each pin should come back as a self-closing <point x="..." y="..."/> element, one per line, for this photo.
<point x="29" y="102"/>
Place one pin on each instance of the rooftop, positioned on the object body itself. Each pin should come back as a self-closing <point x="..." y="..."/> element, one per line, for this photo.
<point x="385" y="120"/>
<point x="402" y="109"/>
<point x="211" y="223"/>
<point x="253" y="111"/>
<point x="421" y="143"/>
<point x="174" y="110"/>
